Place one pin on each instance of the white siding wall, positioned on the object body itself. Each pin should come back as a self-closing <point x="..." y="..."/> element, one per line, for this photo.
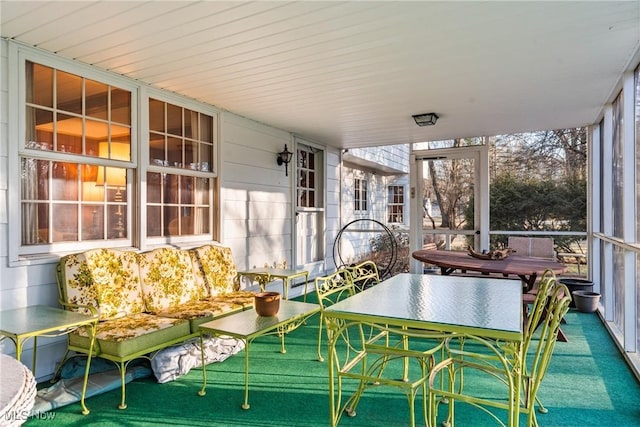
<point x="256" y="204"/>
<point x="393" y="156"/>
<point x="334" y="187"/>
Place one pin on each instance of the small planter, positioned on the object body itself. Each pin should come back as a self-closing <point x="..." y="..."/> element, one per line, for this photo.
<point x="576" y="285"/>
<point x="586" y="301"/>
<point x="430" y="270"/>
<point x="267" y="303"/>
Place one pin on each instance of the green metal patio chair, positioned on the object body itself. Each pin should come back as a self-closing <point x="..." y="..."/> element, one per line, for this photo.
<point x="329" y="290"/>
<point x="385" y="360"/>
<point x="365" y="274"/>
<point x="473" y="364"/>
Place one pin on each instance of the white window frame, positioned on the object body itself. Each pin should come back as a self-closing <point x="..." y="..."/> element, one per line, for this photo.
<point x="17" y="58"/>
<point x="404" y="201"/>
<point x="138" y="166"/>
<point x="361" y="187"/>
<point x="214" y="190"/>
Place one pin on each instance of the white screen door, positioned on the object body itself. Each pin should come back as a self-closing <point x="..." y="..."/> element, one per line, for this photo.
<point x="310" y="248"/>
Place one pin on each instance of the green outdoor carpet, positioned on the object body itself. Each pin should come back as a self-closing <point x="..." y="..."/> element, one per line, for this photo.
<point x="588" y="384"/>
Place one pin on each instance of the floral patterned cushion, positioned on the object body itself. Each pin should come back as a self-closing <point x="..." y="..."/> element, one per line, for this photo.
<point x="107" y="279"/>
<point x="168" y="280"/>
<point x="197" y="309"/>
<point x="129" y="327"/>
<point x="130" y="337"/>
<point x="237" y="298"/>
<point x="217" y="268"/>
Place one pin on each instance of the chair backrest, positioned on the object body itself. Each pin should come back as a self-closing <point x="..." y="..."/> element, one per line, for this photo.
<point x="334" y="287"/>
<point x="364" y="275"/>
<point x="105" y="279"/>
<point x="539" y="247"/>
<point x="550" y="306"/>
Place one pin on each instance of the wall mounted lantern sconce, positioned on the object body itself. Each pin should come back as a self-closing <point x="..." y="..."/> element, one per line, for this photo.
<point x="284" y="157"/>
<point x="427" y="119"/>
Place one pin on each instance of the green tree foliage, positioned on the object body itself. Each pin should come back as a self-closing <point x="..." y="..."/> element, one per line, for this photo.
<point x="536" y="205"/>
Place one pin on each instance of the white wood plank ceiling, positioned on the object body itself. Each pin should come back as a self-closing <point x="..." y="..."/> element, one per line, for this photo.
<point x="351" y="74"/>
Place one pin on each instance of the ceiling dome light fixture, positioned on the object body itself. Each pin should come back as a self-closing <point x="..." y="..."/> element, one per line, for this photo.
<point x="426" y="119"/>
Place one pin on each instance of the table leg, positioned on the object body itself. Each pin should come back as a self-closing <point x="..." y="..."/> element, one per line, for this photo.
<point x="446" y="271"/>
<point x="85" y="410"/>
<point x="306" y="282"/>
<point x="528" y="281"/>
<point x="203" y="390"/>
<point x="245" y="405"/>
<point x="332" y="404"/>
<point x="35" y="352"/>
<point x="281" y="333"/>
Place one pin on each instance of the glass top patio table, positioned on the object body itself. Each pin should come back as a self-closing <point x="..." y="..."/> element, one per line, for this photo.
<point x="481" y="306"/>
<point x="489" y="307"/>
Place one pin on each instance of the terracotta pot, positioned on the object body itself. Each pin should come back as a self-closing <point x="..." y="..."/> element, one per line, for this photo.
<point x="267" y="303"/>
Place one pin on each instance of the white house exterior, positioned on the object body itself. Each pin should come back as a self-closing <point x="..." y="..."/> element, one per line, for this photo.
<point x="375" y="185"/>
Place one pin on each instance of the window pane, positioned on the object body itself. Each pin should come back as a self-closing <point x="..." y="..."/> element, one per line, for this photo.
<point x="39" y="131"/>
<point x="202" y="191"/>
<point x="190" y="155"/>
<point x="116" y="222"/>
<point x="174" y="152"/>
<point x="68" y="133"/>
<point x="69" y="92"/>
<point x="174" y="120"/>
<point x="186" y="190"/>
<point x="156" y="115"/>
<point x="97" y="99"/>
<point x="206" y="128"/>
<point x="170" y="189"/>
<point x="65" y="222"/>
<point x="156" y="149"/>
<point x="120" y="106"/>
<point x="154" y="188"/>
<point x="190" y="124"/>
<point x="154" y="221"/>
<point x="35" y="228"/>
<point x="97" y="131"/>
<point x="171" y="218"/>
<point x="205" y="157"/>
<point x="201" y="224"/>
<point x="92" y="222"/>
<point x="65" y="182"/>
<point x="91" y="192"/>
<point x="39" y="84"/>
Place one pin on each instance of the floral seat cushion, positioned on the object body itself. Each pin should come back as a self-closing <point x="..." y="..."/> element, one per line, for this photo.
<point x="197" y="312"/>
<point x="217" y="269"/>
<point x="168" y="280"/>
<point x="240" y="298"/>
<point x="107" y="279"/>
<point x="133" y="334"/>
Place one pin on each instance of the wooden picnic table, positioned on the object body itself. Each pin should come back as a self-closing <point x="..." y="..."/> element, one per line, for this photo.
<point x="526" y="268"/>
